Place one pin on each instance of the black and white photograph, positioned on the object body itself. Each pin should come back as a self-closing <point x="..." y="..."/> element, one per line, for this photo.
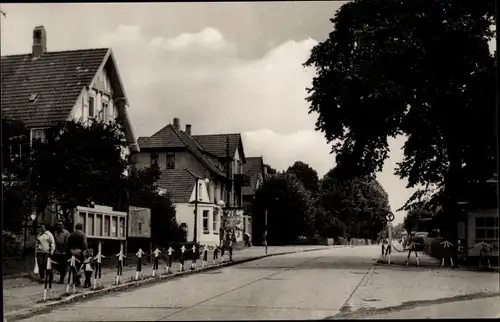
<point x="272" y="160"/>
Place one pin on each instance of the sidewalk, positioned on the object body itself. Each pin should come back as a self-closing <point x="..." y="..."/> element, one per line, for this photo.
<point x="23" y="293"/>
<point x="397" y="285"/>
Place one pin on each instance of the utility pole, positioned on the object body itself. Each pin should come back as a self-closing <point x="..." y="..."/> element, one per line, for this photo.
<point x="265" y="230"/>
<point x="195" y="237"/>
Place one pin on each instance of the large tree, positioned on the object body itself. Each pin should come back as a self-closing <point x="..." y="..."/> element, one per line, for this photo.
<point x="360" y="204"/>
<point x="288" y="207"/>
<point x="307" y="175"/>
<point x="418" y="68"/>
<point x="17" y="198"/>
<point x="79" y="164"/>
<point x="143" y="192"/>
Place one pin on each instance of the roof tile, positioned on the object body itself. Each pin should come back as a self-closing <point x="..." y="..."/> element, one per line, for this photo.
<point x="57" y="79"/>
<point x="252" y="169"/>
<point x="178" y="183"/>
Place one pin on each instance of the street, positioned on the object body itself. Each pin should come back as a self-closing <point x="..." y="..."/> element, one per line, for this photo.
<point x="326" y="284"/>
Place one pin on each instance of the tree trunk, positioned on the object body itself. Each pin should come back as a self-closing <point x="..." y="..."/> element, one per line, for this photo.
<point x="450" y="207"/>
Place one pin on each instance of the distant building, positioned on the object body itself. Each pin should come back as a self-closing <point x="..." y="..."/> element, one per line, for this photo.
<point x="185" y="159"/>
<point x="43" y="88"/>
<point x="256" y="171"/>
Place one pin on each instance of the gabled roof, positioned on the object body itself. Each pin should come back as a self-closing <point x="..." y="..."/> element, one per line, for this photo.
<point x="252" y="169"/>
<point x="170" y="137"/>
<point x="55" y="79"/>
<point x="178" y="183"/>
<point x="215" y="144"/>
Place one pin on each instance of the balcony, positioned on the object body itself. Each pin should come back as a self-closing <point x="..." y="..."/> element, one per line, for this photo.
<point x="242" y="180"/>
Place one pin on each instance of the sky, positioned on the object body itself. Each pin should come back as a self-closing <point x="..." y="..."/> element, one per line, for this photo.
<point x="221" y="67"/>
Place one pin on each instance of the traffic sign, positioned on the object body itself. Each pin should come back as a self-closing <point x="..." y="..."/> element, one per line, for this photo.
<point x="390" y="217"/>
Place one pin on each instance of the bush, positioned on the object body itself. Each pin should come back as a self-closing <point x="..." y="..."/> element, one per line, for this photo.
<point x="340" y="241"/>
<point x="433" y="247"/>
<point x="12" y="244"/>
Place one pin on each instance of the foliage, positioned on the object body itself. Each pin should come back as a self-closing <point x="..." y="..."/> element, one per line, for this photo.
<point x="15" y="150"/>
<point x="17" y="206"/>
<point x="144" y="193"/>
<point x="360" y="204"/>
<point x="307" y="175"/>
<point x="17" y="199"/>
<point x="418" y="68"/>
<point x="289" y="210"/>
<point x="79" y="164"/>
<point x="270" y="170"/>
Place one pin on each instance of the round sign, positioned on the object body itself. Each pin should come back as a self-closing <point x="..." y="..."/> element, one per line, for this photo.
<point x="390" y="217"/>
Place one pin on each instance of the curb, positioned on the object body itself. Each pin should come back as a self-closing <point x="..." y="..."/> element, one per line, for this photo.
<point x="47" y="307"/>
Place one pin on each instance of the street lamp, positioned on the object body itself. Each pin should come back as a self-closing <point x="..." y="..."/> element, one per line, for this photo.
<point x="195" y="239"/>
<point x="33" y="217"/>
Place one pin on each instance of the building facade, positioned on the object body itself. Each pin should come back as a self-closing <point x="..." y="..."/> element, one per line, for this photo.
<point x="198" y="171"/>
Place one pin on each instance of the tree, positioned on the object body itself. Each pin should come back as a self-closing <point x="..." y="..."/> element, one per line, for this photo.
<point x="79" y="164"/>
<point x="360" y="204"/>
<point x="143" y="192"/>
<point x="418" y="68"/>
<point x="270" y="170"/>
<point x="307" y="175"/>
<point x="288" y="205"/>
<point x="17" y="198"/>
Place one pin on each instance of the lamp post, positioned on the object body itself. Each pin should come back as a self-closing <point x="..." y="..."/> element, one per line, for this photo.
<point x="195" y="236"/>
<point x="33" y="217"/>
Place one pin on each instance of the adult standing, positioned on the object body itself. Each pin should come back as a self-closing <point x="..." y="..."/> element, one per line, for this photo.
<point x="76" y="246"/>
<point x="61" y="257"/>
<point x="45" y="248"/>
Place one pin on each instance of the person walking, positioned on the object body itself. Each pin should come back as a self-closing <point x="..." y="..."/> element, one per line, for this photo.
<point x="76" y="246"/>
<point x="61" y="257"/>
<point x="45" y="249"/>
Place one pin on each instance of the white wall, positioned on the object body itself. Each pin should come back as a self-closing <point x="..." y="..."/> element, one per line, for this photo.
<point x="185" y="214"/>
<point x="472" y="241"/>
<point x="102" y="92"/>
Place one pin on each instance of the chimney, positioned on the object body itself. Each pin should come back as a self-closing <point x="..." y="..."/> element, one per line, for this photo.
<point x="177" y="123"/>
<point x="39" y="42"/>
<point x="188" y="129"/>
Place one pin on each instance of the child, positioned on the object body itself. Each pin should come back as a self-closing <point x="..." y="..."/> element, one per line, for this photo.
<point x="87" y="267"/>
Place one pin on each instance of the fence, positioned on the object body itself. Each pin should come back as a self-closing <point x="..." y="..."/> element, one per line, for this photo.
<point x="146" y="265"/>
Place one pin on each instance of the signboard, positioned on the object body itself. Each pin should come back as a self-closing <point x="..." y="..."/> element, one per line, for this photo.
<point x="101" y="222"/>
<point x="139" y="222"/>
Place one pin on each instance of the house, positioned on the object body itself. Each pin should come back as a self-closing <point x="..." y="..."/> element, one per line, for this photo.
<point x="480" y="223"/>
<point x="43" y="88"/>
<point x="256" y="171"/>
<point x="207" y="166"/>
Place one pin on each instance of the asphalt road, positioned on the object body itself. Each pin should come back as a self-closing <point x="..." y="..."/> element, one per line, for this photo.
<point x="309" y="285"/>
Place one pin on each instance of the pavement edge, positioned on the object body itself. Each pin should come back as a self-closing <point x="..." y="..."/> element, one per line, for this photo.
<point x="47" y="307"/>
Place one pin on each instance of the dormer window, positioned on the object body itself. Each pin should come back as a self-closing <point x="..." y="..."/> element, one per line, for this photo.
<point x="91" y="106"/>
<point x="33" y="98"/>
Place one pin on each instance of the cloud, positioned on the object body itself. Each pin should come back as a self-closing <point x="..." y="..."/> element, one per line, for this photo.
<point x="200" y="78"/>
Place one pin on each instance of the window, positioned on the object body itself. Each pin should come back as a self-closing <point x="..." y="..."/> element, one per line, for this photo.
<point x="98" y="225"/>
<point x="122" y="227"/>
<point x="170" y="160"/>
<point x="91" y="106"/>
<point x="107" y="226"/>
<point x="114" y="227"/>
<point x="38" y="134"/>
<point x="486" y="228"/>
<point x="200" y="191"/>
<point x="214" y="223"/>
<point x="90" y="225"/>
<point x="154" y="160"/>
<point x="205" y="222"/>
<point x="139" y="227"/>
<point x="105" y="112"/>
<point x="82" y="220"/>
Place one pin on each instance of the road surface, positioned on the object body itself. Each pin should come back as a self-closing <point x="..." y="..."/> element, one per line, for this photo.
<point x="312" y="285"/>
